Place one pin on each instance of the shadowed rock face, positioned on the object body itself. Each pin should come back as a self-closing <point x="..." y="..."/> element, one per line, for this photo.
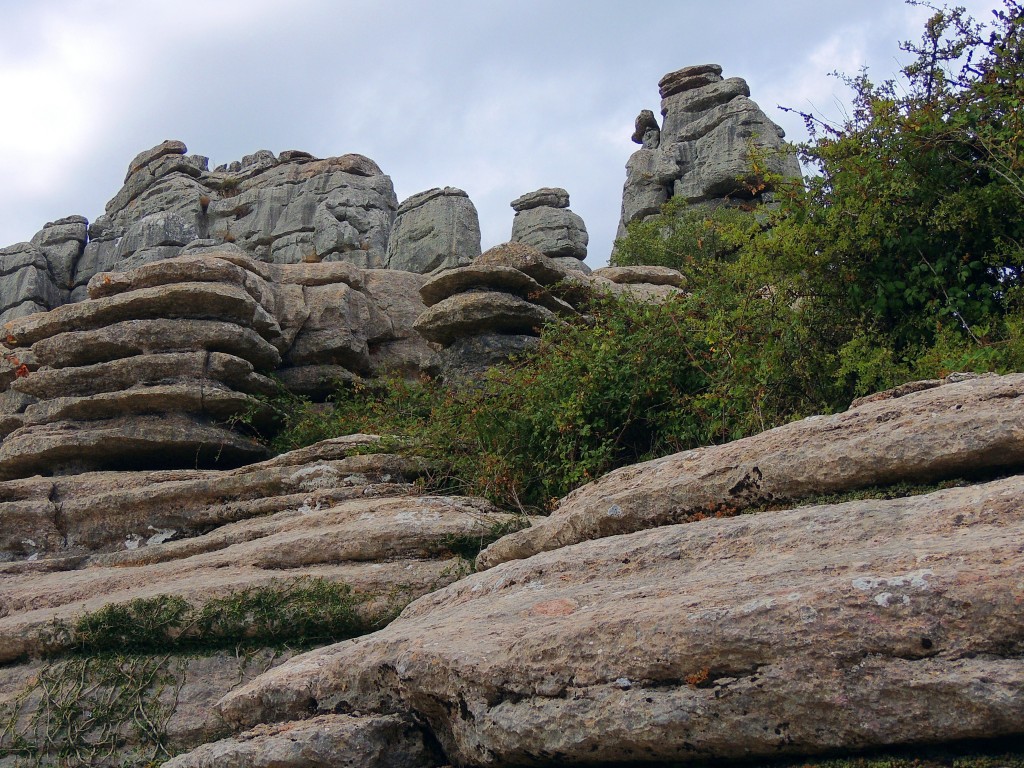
<point x="705" y="146"/>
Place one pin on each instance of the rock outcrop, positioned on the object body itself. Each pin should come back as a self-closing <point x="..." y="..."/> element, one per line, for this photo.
<point x="543" y="220"/>
<point x="434" y="230"/>
<point x="825" y="628"/>
<point x="963" y="428"/>
<point x="704" y="150"/>
<point x="337" y="520"/>
<point x="157" y="368"/>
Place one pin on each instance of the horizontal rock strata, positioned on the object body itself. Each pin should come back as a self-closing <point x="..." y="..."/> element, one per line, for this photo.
<point x="800" y="632"/>
<point x="959" y="429"/>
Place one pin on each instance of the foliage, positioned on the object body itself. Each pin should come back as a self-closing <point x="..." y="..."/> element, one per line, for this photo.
<point x="298" y="613"/>
<point x="80" y="711"/>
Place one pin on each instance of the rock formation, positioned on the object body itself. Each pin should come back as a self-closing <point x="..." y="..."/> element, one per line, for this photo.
<point x="703" y="152"/>
<point x="543" y="220"/>
<point x="437" y="229"/>
<point x="792" y="631"/>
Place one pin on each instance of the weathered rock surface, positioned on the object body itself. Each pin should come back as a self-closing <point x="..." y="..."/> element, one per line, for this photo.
<point x="704" y="148"/>
<point x="799" y="632"/>
<point x="436" y="229"/>
<point x="553" y="231"/>
<point x="642" y="274"/>
<point x="27" y="284"/>
<point x="386" y="741"/>
<point x="959" y="429"/>
<point x="473" y="313"/>
<point x="331" y="511"/>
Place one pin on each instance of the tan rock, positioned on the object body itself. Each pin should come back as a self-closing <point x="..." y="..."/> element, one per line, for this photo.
<point x="953" y="430"/>
<point x="528" y="259"/>
<point x="819" y="629"/>
<point x="642" y="274"/>
<point x="75" y="516"/>
<point x="372" y="742"/>
<point x="471" y="314"/>
<point x="131" y="441"/>
<point x="122" y="373"/>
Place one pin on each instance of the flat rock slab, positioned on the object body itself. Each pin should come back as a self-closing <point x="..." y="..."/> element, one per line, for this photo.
<point x="56" y="521"/>
<point x="471" y="314"/>
<point x="479" y="277"/>
<point x="144" y="337"/>
<point x="132" y="441"/>
<point x="818" y="629"/>
<point x="642" y="274"/>
<point x="327" y="741"/>
<point x="544" y="269"/>
<point x="954" y="430"/>
<point x="198" y="301"/>
<point x="160" y="368"/>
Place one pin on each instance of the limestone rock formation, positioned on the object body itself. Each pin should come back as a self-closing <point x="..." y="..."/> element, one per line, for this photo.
<point x="153" y="369"/>
<point x="434" y="230"/>
<point x="543" y="220"/>
<point x="797" y="632"/>
<point x="337" y="513"/>
<point x="284" y="210"/>
<point x="703" y="151"/>
<point x="957" y="429"/>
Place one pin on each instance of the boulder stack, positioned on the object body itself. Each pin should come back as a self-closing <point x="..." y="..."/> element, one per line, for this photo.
<point x="491" y="309"/>
<point x="544" y="221"/>
<point x="705" y="147"/>
<point x="287" y="209"/>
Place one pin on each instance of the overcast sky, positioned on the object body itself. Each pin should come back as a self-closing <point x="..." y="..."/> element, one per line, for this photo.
<point x="497" y="98"/>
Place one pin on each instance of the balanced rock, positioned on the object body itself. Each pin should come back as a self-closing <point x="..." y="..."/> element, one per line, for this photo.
<point x="436" y="229"/>
<point x="543" y="220"/>
<point x="476" y="312"/>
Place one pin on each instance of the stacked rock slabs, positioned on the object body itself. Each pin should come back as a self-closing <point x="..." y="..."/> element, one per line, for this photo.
<point x="487" y="311"/>
<point x="146" y="373"/>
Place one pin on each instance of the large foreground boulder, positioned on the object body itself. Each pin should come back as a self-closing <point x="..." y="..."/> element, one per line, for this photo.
<point x="800" y="632"/>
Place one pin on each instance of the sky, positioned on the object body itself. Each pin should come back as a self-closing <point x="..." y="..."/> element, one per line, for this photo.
<point x="496" y="97"/>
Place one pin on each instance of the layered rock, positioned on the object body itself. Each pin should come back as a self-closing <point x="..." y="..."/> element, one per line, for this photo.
<point x="286" y="209"/>
<point x="483" y="313"/>
<point x="961" y="428"/>
<point x="543" y="220"/>
<point x="705" y="147"/>
<point x="337" y="513"/>
<point x="799" y="632"/>
<point x="434" y="230"/>
<point x="155" y="367"/>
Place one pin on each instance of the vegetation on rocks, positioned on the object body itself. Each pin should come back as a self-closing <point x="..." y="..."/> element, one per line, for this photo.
<point x="901" y="259"/>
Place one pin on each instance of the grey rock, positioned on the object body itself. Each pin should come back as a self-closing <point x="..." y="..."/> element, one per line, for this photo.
<point x="709" y="136"/>
<point x="552" y="197"/>
<point x="26" y="283"/>
<point x="571" y="263"/>
<point x="481" y="277"/>
<point x="140" y="337"/>
<point x="62" y="242"/>
<point x="143" y="159"/>
<point x="156" y="229"/>
<point x="552" y="231"/>
<point x="339" y="327"/>
<point x="317" y="382"/>
<point x="472" y="314"/>
<point x="642" y="274"/>
<point x="436" y="229"/>
<point x="644" y="123"/>
<point x="544" y="269"/>
<point x="688" y="78"/>
<point x="135" y="441"/>
<point x="467" y="359"/>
